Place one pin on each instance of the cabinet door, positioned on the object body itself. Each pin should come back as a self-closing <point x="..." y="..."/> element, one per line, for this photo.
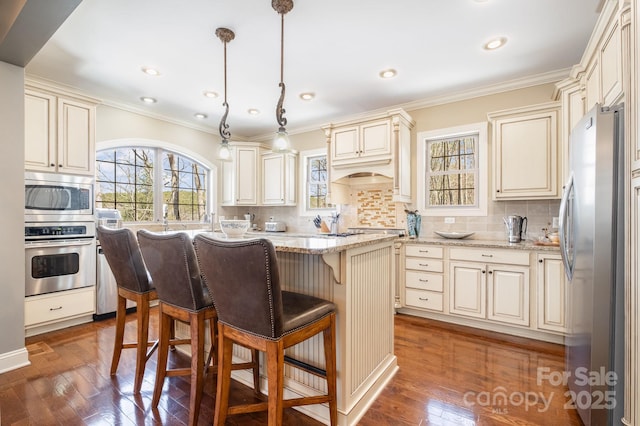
<point x="551" y="293"/>
<point x="273" y="169"/>
<point x="345" y="144"/>
<point x="76" y="140"/>
<point x="246" y="176"/>
<point x="375" y="139"/>
<point x="228" y="183"/>
<point x="526" y="156"/>
<point x="40" y="132"/>
<point x="467" y="289"/>
<point x="508" y="299"/>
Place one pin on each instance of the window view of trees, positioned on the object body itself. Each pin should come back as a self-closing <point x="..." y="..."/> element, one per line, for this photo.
<point x="453" y="171"/>
<point x="125" y="181"/>
<point x="317" y="182"/>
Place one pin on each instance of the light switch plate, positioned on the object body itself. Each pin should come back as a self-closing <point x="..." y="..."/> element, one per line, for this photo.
<point x="555" y="223"/>
<point x="449" y="220"/>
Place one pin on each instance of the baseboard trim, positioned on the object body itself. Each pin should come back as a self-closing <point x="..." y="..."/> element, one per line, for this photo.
<point x="13" y="360"/>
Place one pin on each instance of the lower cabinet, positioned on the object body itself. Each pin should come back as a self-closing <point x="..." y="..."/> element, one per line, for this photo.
<point x="51" y="311"/>
<point x="424" y="277"/>
<point x="552" y="296"/>
<point x="515" y="291"/>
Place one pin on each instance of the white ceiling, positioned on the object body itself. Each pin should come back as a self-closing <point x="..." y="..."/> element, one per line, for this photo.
<point x="334" y="48"/>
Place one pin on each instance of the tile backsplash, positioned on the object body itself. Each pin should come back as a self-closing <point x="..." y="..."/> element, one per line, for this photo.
<point x="371" y="205"/>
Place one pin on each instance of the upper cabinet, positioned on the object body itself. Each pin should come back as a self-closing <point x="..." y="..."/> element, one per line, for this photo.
<point x="364" y="143"/>
<point x="376" y="144"/>
<point x="59" y="132"/>
<point x="525" y="152"/>
<point x="240" y="176"/>
<point x="279" y="179"/>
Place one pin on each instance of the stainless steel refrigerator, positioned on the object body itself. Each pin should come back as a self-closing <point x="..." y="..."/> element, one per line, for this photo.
<point x="592" y="247"/>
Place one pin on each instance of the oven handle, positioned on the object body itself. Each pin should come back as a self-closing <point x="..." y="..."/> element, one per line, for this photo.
<point x="59" y="243"/>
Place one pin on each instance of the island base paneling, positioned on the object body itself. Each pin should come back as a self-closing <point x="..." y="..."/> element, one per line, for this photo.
<point x="364" y="327"/>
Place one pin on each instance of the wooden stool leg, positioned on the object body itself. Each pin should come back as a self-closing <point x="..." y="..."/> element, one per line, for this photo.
<point x="225" y="352"/>
<point x="142" y="311"/>
<point x="163" y="353"/>
<point x="329" y="335"/>
<point x="213" y="350"/>
<point x="275" y="378"/>
<point x="255" y="360"/>
<point x="196" y="324"/>
<point x="121" y="316"/>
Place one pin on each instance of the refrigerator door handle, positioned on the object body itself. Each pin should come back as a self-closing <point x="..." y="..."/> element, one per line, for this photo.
<point x="565" y="227"/>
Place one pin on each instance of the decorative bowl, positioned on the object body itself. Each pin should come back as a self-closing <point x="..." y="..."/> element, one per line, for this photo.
<point x="234" y="228"/>
<point x="455" y="235"/>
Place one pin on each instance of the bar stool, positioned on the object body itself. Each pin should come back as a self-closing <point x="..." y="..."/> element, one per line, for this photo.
<point x="171" y="261"/>
<point x="243" y="279"/>
<point x="121" y="250"/>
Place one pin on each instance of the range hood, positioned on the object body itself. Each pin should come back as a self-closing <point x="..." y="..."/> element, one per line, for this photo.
<point x="363" y="178"/>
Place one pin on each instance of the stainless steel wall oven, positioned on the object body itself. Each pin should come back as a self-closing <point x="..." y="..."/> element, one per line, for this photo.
<point x="59" y="256"/>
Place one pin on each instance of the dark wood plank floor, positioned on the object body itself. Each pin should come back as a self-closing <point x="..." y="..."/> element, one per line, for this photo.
<point x="448" y="376"/>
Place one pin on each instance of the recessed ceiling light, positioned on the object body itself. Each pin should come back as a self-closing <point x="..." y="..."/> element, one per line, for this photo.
<point x="390" y="73"/>
<point x="150" y="71"/>
<point x="307" y="96"/>
<point x="210" y="94"/>
<point x="200" y="115"/>
<point x="253" y="111"/>
<point x="148" y="100"/>
<point x="495" y="43"/>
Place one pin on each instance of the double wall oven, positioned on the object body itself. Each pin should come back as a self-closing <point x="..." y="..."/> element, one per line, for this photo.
<point x="60" y="247"/>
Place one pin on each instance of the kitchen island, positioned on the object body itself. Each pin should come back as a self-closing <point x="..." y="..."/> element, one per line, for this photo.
<point x="357" y="273"/>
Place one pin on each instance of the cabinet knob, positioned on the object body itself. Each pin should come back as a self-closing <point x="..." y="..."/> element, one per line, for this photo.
<point x="491" y="272"/>
<point x="60" y="165"/>
<point x="497" y="190"/>
<point x="540" y="260"/>
<point x="484" y="272"/>
<point x="52" y="165"/>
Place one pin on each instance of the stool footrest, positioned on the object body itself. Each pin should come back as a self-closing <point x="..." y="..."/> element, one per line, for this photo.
<point x="307" y="367"/>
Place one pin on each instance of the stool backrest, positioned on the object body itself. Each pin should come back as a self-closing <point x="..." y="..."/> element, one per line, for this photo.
<point x="121" y="250"/>
<point x="243" y="279"/>
<point x="171" y="261"/>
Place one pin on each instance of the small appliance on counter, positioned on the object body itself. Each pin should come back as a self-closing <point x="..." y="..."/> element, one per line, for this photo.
<point x="516" y="226"/>
<point x="275" y="226"/>
<point x="110" y="218"/>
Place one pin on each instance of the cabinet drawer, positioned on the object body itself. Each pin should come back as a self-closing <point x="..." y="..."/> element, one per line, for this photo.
<point x="424" y="264"/>
<point x="42" y="309"/>
<point x="424" y="281"/>
<point x="424" y="299"/>
<point x="511" y="257"/>
<point x="416" y="250"/>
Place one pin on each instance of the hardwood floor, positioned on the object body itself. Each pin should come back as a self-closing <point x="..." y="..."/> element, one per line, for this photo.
<point x="448" y="376"/>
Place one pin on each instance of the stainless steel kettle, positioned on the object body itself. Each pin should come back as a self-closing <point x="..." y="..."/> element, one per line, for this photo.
<point x="516" y="226"/>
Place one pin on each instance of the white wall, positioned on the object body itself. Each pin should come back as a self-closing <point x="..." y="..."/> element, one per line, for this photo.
<point x="12" y="348"/>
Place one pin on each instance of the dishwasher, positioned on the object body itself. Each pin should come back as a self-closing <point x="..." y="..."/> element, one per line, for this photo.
<point x="106" y="287"/>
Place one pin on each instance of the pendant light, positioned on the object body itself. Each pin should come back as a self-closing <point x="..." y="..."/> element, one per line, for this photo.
<point x="281" y="141"/>
<point x="225" y="35"/>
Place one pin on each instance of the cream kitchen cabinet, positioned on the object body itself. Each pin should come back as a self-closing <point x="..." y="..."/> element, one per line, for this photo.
<point x="240" y="176"/>
<point x="490" y="284"/>
<point x="424" y="280"/>
<point x="62" y="309"/>
<point x="552" y="296"/>
<point x="362" y="143"/>
<point x="279" y="178"/>
<point x="525" y="152"/>
<point x="59" y="132"/>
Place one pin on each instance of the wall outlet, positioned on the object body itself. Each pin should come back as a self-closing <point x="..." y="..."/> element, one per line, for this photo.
<point x="555" y="223"/>
<point x="449" y="220"/>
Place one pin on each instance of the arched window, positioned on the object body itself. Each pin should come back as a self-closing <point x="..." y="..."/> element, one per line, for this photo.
<point x="147" y="183"/>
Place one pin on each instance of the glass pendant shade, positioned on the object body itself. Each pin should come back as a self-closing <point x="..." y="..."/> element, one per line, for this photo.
<point x="224" y="153"/>
<point x="281" y="141"/>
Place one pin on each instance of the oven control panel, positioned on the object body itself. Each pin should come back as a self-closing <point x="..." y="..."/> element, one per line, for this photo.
<point x="44" y="231"/>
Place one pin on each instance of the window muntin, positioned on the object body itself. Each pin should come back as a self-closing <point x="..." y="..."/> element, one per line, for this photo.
<point x="316" y="197"/>
<point x="452" y="174"/>
<point x="125" y="179"/>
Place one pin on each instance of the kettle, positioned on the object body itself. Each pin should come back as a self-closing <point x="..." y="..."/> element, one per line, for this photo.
<point x="516" y="225"/>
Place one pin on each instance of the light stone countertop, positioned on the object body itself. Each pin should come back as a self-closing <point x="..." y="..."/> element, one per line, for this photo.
<point x="301" y="243"/>
<point x="469" y="242"/>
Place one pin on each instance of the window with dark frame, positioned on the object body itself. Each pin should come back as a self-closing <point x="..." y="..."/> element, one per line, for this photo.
<point x="452" y="173"/>
<point x="125" y="181"/>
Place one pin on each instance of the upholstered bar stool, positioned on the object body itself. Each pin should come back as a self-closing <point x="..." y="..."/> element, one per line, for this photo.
<point x="121" y="250"/>
<point x="171" y="261"/>
<point x="243" y="279"/>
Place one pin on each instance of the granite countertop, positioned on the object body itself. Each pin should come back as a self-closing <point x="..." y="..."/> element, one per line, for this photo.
<point x="473" y="243"/>
<point x="303" y="243"/>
